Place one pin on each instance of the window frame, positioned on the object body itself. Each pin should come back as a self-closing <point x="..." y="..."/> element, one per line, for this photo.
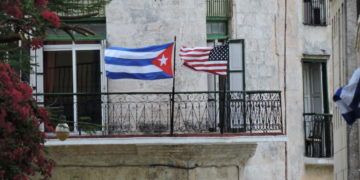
<point x="324" y="79"/>
<point x="311" y="20"/>
<point x="37" y="77"/>
<point x="217" y="36"/>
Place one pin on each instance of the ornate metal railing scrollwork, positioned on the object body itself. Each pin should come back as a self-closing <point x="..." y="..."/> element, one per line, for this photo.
<point x="148" y="113"/>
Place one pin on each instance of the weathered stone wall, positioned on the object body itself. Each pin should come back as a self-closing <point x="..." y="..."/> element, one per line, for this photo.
<point x="318" y="173"/>
<point x="150" y="162"/>
<point x="267" y="163"/>
<point x="273" y="62"/>
<point x="184" y="162"/>
<point x="343" y="17"/>
<point x="337" y="79"/>
<point x="261" y="25"/>
<point x="139" y="23"/>
<point x="316" y="40"/>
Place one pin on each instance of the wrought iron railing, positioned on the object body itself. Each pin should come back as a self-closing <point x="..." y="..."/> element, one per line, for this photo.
<point x="194" y="112"/>
<point x="80" y="8"/>
<point x="318" y="135"/>
<point x="315" y="12"/>
<point x="218" y="8"/>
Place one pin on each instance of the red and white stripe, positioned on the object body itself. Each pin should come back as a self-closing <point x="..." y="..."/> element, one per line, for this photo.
<point x="198" y="59"/>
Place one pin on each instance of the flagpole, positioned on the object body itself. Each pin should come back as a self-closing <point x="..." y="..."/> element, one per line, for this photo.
<point x="173" y="93"/>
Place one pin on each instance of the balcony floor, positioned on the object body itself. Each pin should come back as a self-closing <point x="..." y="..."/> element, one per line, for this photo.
<point x="164" y="140"/>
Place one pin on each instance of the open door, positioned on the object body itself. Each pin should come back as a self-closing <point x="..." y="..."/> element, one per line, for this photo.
<point x="235" y="109"/>
<point x="71" y="76"/>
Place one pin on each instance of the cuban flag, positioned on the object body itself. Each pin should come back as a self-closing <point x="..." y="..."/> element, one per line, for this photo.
<point x="148" y="63"/>
<point x="347" y="98"/>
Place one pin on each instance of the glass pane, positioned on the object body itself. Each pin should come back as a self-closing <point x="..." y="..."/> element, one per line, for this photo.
<point x="208" y="28"/>
<point x="58" y="72"/>
<point x="215" y="28"/>
<point x="88" y="71"/>
<point x="88" y="81"/>
<point x="222" y="29"/>
<point x="236" y="56"/>
<point x="236" y="81"/>
<point x="58" y="79"/>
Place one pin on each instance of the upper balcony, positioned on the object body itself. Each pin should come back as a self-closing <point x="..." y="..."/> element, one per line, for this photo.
<point x="215" y="113"/>
<point x="81" y="10"/>
<point x="220" y="9"/>
<point x="318" y="135"/>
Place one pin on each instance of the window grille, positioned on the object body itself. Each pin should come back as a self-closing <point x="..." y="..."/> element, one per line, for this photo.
<point x="315" y="12"/>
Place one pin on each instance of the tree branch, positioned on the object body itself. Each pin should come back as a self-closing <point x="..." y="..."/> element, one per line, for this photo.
<point x="10" y="38"/>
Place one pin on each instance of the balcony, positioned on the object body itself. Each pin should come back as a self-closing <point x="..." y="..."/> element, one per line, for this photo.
<point x="318" y="135"/>
<point x="218" y="8"/>
<point x="215" y="113"/>
<point x="80" y="9"/>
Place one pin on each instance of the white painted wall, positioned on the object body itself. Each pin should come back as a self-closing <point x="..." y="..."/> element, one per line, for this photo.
<point x="261" y="23"/>
<point x="139" y="23"/>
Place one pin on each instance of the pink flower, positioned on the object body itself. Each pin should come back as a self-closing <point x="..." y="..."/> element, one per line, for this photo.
<point x="36" y="43"/>
<point x="20" y="118"/>
<point x="52" y="17"/>
<point x="43" y="114"/>
<point x="13" y="9"/>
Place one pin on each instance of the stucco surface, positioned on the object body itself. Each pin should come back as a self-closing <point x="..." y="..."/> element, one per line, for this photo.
<point x="319" y="173"/>
<point x="261" y="23"/>
<point x="139" y="23"/>
<point x="192" y="162"/>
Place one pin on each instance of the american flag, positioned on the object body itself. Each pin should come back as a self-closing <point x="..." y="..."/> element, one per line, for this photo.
<point x="208" y="59"/>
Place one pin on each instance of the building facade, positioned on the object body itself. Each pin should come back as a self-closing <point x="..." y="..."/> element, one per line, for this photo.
<point x="344" y="19"/>
<point x="271" y="118"/>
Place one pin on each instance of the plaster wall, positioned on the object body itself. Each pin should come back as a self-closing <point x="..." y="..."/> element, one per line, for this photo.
<point x="316" y="40"/>
<point x="184" y="162"/>
<point x="139" y="23"/>
<point x="319" y="172"/>
<point x="337" y="78"/>
<point x="343" y="17"/>
<point x="269" y="65"/>
<point x="261" y="24"/>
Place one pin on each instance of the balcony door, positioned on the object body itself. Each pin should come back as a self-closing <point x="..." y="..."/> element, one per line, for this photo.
<point x="236" y="111"/>
<point x="232" y="89"/>
<point x="313" y="88"/>
<point x="71" y="75"/>
<point x="317" y="121"/>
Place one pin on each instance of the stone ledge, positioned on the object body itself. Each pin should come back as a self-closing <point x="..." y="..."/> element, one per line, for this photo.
<point x="319" y="161"/>
<point x="185" y="155"/>
<point x="165" y="140"/>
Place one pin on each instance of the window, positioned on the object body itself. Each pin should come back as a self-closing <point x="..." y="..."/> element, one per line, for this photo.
<point x="73" y="69"/>
<point x="313" y="90"/>
<point x="315" y="12"/>
<point x="317" y="120"/>
<point x="236" y="66"/>
<point x="217" y="16"/>
<point x="236" y="84"/>
<point x="216" y="30"/>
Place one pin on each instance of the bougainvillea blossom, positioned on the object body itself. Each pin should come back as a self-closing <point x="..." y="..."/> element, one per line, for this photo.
<point x="52" y="17"/>
<point x="21" y="141"/>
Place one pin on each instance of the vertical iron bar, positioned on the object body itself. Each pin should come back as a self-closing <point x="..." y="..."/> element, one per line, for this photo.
<point x="173" y="92"/>
<point x="75" y="100"/>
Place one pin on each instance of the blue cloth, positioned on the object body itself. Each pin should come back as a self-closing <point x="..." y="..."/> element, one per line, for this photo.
<point x="347" y="99"/>
<point x="148" y="63"/>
